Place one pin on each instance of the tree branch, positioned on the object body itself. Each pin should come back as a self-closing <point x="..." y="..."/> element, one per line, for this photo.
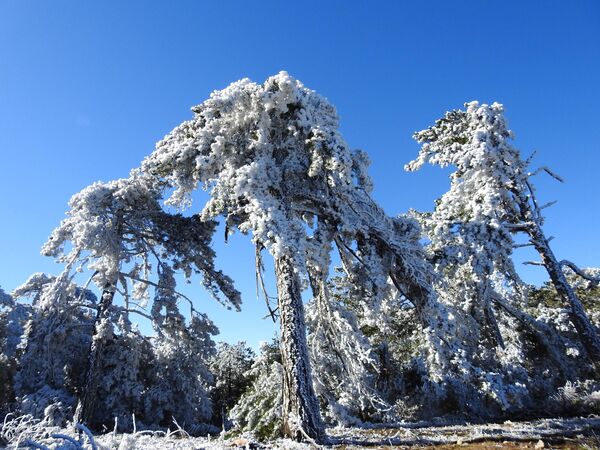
<point x="578" y="271"/>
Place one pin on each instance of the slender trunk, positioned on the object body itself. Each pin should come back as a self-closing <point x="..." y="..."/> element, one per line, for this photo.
<point x="585" y="329"/>
<point x="87" y="398"/>
<point x="301" y="416"/>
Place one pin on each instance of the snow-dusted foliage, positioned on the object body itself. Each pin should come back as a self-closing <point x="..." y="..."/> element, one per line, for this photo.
<point x="230" y="366"/>
<point x="123" y="368"/>
<point x="119" y="231"/>
<point x="491" y="189"/>
<point x="13" y="317"/>
<point x="276" y="166"/>
<point x="258" y="411"/>
<point x="425" y="316"/>
<point x="270" y="155"/>
<point x="586" y="289"/>
<point x="344" y="363"/>
<point x="54" y="348"/>
<point x="178" y="389"/>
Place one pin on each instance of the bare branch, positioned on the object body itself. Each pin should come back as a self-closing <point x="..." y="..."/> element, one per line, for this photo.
<point x="548" y="171"/>
<point x="529" y="244"/>
<point x="261" y="282"/>
<point x="578" y="271"/>
<point x="530" y="158"/>
<point x="548" y="205"/>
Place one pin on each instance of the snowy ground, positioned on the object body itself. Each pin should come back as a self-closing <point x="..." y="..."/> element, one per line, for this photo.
<point x="580" y="433"/>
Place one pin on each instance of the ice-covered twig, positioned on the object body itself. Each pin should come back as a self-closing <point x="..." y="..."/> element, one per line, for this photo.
<point x="548" y="205"/>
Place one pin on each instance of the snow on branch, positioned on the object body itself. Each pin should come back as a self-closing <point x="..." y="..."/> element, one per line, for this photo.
<point x="578" y="271"/>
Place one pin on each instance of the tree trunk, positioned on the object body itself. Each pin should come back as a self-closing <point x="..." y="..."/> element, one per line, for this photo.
<point x="301" y="416"/>
<point x="87" y="398"/>
<point x="585" y="329"/>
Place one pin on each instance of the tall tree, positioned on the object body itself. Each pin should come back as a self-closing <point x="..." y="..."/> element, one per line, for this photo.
<point x="491" y="180"/>
<point x="276" y="166"/>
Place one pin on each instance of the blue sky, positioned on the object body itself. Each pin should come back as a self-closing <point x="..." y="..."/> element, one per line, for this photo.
<point x="87" y="88"/>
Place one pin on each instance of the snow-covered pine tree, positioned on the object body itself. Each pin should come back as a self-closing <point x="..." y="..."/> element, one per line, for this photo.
<point x="492" y="179"/>
<point x="230" y="366"/>
<point x="119" y="232"/>
<point x="389" y="364"/>
<point x="178" y="392"/>
<point x="13" y="317"/>
<point x="344" y="363"/>
<point x="123" y="368"/>
<point x="258" y="411"/>
<point x="56" y="336"/>
<point x="276" y="166"/>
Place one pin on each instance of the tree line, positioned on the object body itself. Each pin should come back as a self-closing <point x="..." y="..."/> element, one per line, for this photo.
<point x="418" y="315"/>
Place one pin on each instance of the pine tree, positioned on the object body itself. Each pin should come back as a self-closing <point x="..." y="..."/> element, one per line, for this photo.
<point x="259" y="410"/>
<point x="277" y="167"/>
<point x="119" y="232"/>
<point x="230" y="366"/>
<point x="492" y="182"/>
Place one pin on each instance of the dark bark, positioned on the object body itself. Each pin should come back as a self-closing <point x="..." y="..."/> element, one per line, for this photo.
<point x="301" y="416"/>
<point x="88" y="394"/>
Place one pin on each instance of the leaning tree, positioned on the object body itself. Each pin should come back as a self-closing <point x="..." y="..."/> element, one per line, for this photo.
<point x="492" y="186"/>
<point x="277" y="167"/>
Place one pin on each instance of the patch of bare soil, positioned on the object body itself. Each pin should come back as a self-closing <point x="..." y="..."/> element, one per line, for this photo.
<point x="558" y="433"/>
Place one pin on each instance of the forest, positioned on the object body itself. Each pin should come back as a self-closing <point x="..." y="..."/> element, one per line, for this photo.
<point x="414" y="318"/>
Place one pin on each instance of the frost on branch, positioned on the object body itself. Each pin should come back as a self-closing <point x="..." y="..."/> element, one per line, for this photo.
<point x="121" y="224"/>
<point x="259" y="409"/>
<point x="276" y="166"/>
<point x="344" y="363"/>
<point x="471" y="239"/>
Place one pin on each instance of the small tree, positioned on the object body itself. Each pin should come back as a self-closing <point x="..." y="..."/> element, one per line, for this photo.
<point x="345" y="365"/>
<point x="119" y="231"/>
<point x="13" y="317"/>
<point x="56" y="336"/>
<point x="230" y="366"/>
<point x="178" y="390"/>
<point x="258" y="410"/>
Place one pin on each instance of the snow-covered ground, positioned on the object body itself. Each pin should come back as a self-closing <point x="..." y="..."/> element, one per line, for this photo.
<point x="544" y="433"/>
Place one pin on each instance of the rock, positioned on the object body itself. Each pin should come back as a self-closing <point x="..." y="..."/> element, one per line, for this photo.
<point x="239" y="442"/>
<point x="539" y="444"/>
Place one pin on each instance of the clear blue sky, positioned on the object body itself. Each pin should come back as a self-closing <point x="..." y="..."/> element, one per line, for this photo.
<point x="87" y="88"/>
